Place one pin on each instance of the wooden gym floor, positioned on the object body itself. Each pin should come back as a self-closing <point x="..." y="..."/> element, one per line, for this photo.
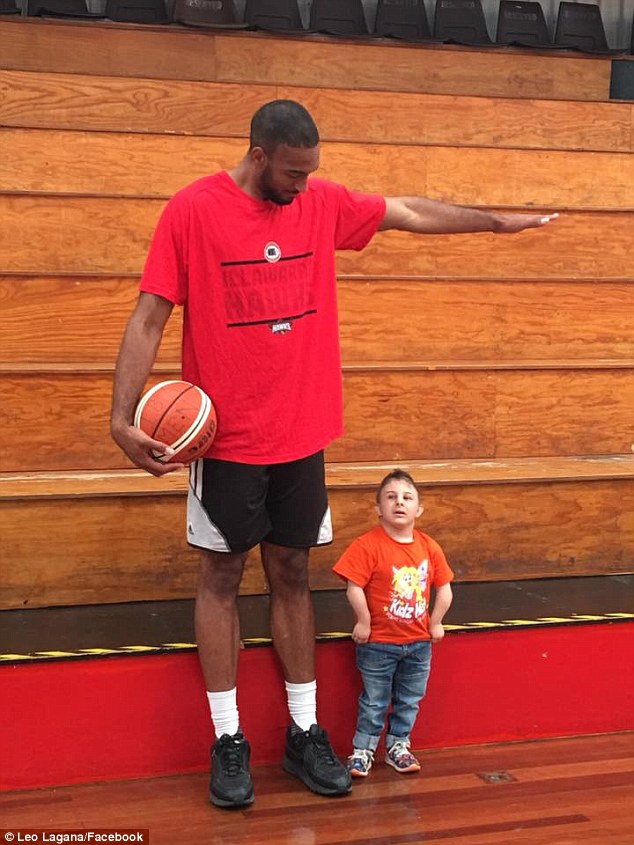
<point x="577" y="791"/>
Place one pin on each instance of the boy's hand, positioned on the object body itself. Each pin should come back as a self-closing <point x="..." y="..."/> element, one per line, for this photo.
<point x="437" y="632"/>
<point x="361" y="632"/>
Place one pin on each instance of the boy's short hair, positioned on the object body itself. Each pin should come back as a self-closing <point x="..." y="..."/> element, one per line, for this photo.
<point x="283" y="122"/>
<point x="396" y="475"/>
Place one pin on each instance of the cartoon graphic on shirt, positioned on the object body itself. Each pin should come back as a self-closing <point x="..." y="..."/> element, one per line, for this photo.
<point x="409" y="585"/>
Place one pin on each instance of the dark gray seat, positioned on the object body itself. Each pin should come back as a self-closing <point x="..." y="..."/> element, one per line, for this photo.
<point x="523" y="24"/>
<point x="60" y="9"/>
<point x="338" y="17"/>
<point x="214" y="14"/>
<point x="137" y="11"/>
<point x="406" y="19"/>
<point x="460" y="22"/>
<point x="8" y="7"/>
<point x="580" y="26"/>
<point x="274" y="15"/>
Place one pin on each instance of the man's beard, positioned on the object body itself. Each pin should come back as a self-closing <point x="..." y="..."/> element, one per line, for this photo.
<point x="269" y="193"/>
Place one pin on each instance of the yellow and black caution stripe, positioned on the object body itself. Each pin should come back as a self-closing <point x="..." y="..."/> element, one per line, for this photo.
<point x="162" y="648"/>
<point x="96" y="652"/>
<point x="540" y="621"/>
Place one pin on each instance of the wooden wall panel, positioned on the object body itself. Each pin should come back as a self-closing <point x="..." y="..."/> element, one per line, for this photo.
<point x="394" y="416"/>
<point x="174" y="53"/>
<point x="434" y="415"/>
<point x="496" y="532"/>
<point x="117" y="164"/>
<point x="467" y="121"/>
<point x="353" y="477"/>
<point x="58" y="421"/>
<point x="526" y="177"/>
<point x="72" y="235"/>
<point x="97" y="551"/>
<point x="344" y="476"/>
<point x="71" y="101"/>
<point x="564" y="413"/>
<point x="68" y="101"/>
<point x="111" y="236"/>
<point x="475" y="321"/>
<point x="133" y="549"/>
<point x="66" y="320"/>
<point x="110" y="120"/>
<point x="180" y="53"/>
<point x="577" y="246"/>
<point x="110" y="163"/>
<point x="81" y="320"/>
<point x="407" y="415"/>
<point x="408" y="68"/>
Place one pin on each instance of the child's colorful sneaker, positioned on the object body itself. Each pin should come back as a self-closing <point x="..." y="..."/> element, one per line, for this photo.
<point x="360" y="762"/>
<point x="399" y="757"/>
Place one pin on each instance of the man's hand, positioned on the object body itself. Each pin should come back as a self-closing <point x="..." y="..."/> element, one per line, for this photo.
<point x="511" y="223"/>
<point x="139" y="447"/>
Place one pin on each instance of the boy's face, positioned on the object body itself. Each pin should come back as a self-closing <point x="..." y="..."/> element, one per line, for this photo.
<point x="398" y="504"/>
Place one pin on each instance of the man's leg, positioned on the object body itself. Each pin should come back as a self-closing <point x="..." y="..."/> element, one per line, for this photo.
<point x="297" y="504"/>
<point x="292" y="612"/>
<point x="293" y="628"/>
<point x="218" y="638"/>
<point x="216" y="617"/>
<point x="309" y="755"/>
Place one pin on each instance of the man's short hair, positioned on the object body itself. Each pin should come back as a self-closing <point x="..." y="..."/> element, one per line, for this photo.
<point x="283" y="122"/>
<point x="396" y="475"/>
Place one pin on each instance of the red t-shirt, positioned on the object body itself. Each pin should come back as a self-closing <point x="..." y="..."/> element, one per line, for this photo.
<point x="397" y="580"/>
<point x="260" y="333"/>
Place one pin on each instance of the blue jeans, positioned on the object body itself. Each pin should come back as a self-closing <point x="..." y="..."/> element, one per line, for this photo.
<point x="392" y="674"/>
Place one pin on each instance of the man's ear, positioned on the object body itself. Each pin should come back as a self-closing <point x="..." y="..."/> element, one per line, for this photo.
<point x="421" y="508"/>
<point x="258" y="157"/>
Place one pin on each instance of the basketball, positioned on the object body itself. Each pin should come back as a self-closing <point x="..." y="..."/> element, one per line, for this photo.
<point x="181" y="415"/>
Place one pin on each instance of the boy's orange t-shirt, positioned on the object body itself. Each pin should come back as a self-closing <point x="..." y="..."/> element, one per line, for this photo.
<point x="397" y="580"/>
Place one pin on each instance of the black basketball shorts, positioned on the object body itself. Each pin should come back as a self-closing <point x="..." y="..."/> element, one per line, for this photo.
<point x="231" y="507"/>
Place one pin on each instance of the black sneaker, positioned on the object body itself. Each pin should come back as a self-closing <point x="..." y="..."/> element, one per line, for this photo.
<point x="231" y="784"/>
<point x="309" y="756"/>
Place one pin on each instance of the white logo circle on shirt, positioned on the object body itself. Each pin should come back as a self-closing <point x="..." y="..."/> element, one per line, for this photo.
<point x="272" y="252"/>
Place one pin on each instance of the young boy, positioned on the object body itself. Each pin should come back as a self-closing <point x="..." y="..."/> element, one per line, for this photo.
<point x="390" y="571"/>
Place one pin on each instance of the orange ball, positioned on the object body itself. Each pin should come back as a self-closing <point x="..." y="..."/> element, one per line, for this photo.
<point x="181" y="415"/>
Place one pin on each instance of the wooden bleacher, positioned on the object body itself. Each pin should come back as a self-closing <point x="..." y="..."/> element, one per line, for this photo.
<point x="499" y="369"/>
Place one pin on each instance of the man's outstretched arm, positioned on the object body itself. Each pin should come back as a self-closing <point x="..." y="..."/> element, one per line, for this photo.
<point x="430" y="217"/>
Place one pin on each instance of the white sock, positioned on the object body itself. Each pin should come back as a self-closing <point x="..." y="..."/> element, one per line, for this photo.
<point x="224" y="712"/>
<point x="302" y="703"/>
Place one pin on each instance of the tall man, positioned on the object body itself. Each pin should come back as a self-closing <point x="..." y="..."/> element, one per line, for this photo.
<point x="250" y="255"/>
